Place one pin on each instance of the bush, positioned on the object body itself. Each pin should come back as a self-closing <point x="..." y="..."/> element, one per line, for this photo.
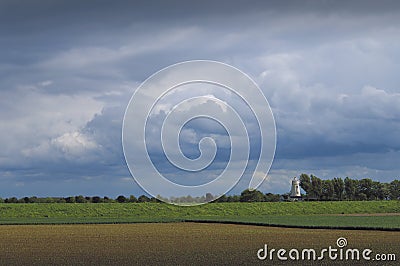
<point x="143" y="198"/>
<point x="96" y="199"/>
<point x="272" y="197"/>
<point x="132" y="199"/>
<point x="80" y="199"/>
<point x="251" y="196"/>
<point x="121" y="199"/>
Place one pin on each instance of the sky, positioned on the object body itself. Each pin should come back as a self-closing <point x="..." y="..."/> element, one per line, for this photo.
<point x="69" y="68"/>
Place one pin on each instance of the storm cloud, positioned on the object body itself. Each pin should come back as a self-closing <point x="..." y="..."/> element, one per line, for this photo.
<point x="69" y="68"/>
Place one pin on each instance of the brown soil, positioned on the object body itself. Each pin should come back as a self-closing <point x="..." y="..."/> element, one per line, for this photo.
<point x="172" y="243"/>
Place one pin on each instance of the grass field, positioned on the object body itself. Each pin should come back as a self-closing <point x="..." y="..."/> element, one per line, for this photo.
<point x="310" y="214"/>
<point x="173" y="243"/>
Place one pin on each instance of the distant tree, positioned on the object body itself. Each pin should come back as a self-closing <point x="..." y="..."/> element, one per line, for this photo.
<point x="80" y="199"/>
<point x="327" y="190"/>
<point x="164" y="199"/>
<point x="96" y="199"/>
<point x="21" y="200"/>
<point x="209" y="197"/>
<point x="361" y="196"/>
<point x="386" y="191"/>
<point x="107" y="199"/>
<point x="394" y="189"/>
<point x="233" y="198"/>
<point x="143" y="198"/>
<point x="26" y="200"/>
<point x="187" y="199"/>
<point x="1" y="200"/>
<point x="272" y="197"/>
<point x="201" y="199"/>
<point x="121" y="199"/>
<point x="365" y="187"/>
<point x="316" y="187"/>
<point x="155" y="200"/>
<point x="285" y="196"/>
<point x="59" y="200"/>
<point x="12" y="200"/>
<point x="33" y="199"/>
<point x="70" y="199"/>
<point x="378" y="191"/>
<point x="50" y="200"/>
<point x="223" y="198"/>
<point x="39" y="200"/>
<point x="305" y="183"/>
<point x="132" y="199"/>
<point x="338" y="186"/>
<point x="350" y="188"/>
<point x="251" y="196"/>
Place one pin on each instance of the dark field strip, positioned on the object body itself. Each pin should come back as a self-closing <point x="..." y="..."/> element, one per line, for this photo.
<point x="383" y="223"/>
<point x="283" y="225"/>
<point x="175" y="244"/>
<point x="370" y="222"/>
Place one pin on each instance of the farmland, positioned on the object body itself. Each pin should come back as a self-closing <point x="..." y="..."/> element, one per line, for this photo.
<point x="346" y="214"/>
<point x="163" y="234"/>
<point x="171" y="243"/>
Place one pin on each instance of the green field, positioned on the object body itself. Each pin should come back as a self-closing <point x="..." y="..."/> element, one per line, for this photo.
<point x="345" y="214"/>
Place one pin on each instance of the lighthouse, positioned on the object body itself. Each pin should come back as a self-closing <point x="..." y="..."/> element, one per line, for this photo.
<point x="295" y="190"/>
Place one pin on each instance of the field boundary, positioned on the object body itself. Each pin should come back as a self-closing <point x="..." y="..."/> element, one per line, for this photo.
<point x="297" y="226"/>
<point x="207" y="221"/>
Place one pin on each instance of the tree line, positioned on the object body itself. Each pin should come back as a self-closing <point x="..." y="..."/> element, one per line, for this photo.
<point x="80" y="199"/>
<point x="245" y="196"/>
<point x="348" y="189"/>
<point x="315" y="188"/>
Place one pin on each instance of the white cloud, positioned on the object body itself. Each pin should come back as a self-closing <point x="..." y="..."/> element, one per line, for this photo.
<point x="46" y="83"/>
<point x="71" y="145"/>
<point x="37" y="122"/>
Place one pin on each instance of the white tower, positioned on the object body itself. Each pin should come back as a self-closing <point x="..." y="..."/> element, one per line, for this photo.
<point x="295" y="190"/>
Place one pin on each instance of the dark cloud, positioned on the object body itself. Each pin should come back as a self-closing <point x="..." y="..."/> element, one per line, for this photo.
<point x="68" y="69"/>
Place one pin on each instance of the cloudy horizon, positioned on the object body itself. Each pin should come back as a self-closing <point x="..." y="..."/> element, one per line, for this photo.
<point x="68" y="70"/>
